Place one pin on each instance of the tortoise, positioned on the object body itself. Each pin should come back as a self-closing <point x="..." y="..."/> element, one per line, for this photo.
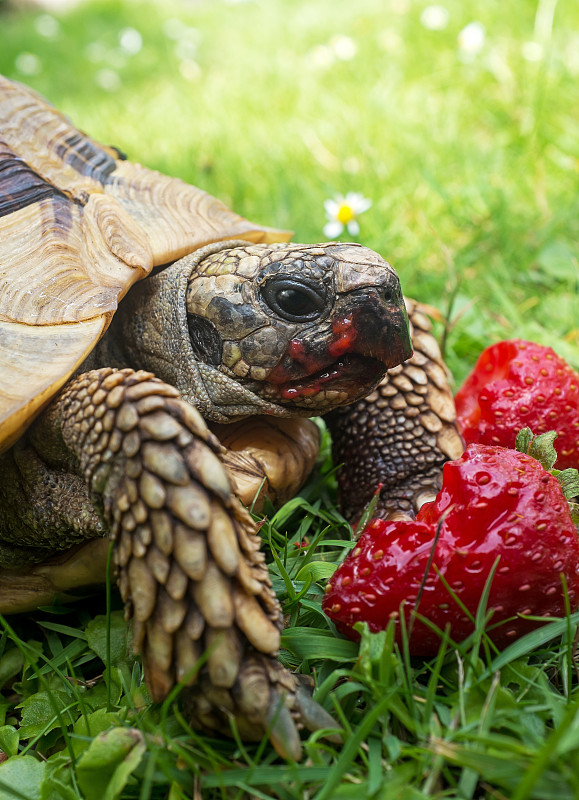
<point x="151" y="423"/>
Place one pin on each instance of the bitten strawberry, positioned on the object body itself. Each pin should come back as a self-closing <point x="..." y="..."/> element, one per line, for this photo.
<point x="516" y="384"/>
<point x="494" y="503"/>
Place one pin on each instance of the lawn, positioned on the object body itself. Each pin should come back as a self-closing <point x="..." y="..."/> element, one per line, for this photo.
<point x="459" y="122"/>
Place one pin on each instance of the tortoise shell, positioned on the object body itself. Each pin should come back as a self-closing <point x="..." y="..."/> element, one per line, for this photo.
<point x="79" y="224"/>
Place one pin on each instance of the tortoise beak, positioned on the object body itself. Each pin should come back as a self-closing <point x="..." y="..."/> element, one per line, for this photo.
<point x="372" y="322"/>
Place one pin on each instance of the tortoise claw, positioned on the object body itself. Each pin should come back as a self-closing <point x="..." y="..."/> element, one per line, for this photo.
<point x="266" y="699"/>
<point x="283" y="723"/>
<point x="314" y="717"/>
<point x="283" y="731"/>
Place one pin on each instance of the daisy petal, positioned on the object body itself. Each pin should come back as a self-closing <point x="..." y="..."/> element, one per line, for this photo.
<point x="357" y="202"/>
<point x="331" y="208"/>
<point x="353" y="227"/>
<point x="333" y="229"/>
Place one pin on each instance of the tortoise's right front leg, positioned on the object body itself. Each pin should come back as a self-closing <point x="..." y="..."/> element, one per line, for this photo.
<point x="397" y="440"/>
<point x="189" y="565"/>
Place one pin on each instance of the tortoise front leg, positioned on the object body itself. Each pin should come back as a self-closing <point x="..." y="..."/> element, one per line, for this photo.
<point x="189" y="565"/>
<point x="399" y="436"/>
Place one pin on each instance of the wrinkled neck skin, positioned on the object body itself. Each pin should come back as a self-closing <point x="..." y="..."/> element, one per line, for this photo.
<point x="283" y="330"/>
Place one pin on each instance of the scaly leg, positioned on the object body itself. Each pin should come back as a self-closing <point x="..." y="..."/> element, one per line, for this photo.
<point x="189" y="565"/>
<point x="400" y="435"/>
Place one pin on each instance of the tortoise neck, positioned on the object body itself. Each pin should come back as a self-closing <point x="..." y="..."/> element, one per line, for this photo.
<point x="150" y="331"/>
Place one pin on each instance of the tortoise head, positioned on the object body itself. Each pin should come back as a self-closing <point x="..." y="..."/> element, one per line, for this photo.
<point x="280" y="329"/>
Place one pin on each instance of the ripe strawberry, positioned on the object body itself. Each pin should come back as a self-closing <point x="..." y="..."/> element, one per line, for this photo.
<point x="496" y="502"/>
<point x="516" y="384"/>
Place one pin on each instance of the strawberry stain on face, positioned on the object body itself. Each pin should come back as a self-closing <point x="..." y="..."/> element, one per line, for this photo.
<point x="346" y="335"/>
<point x="341" y="359"/>
<point x="315" y="386"/>
<point x="295" y="363"/>
<point x="296" y="393"/>
<point x="321" y="367"/>
<point x="297" y="351"/>
<point x="307" y="364"/>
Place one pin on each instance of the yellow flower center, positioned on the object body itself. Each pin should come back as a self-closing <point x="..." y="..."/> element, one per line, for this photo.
<point x="345" y="214"/>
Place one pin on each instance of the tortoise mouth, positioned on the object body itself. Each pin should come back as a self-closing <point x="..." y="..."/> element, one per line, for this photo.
<point x="343" y="381"/>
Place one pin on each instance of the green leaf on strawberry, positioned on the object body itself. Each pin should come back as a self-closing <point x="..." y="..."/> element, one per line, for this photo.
<point x="542" y="448"/>
<point x="569" y="480"/>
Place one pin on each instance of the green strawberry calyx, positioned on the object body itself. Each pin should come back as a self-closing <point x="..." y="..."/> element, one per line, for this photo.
<point x="542" y="448"/>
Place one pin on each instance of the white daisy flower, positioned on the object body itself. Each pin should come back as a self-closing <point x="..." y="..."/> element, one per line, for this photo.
<point x="435" y="18"/>
<point x="471" y="39"/>
<point x="28" y="64"/>
<point x="344" y="47"/>
<point x="130" y="40"/>
<point x="47" y="26"/>
<point x="342" y="212"/>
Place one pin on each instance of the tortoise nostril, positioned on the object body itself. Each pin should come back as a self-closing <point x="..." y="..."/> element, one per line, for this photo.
<point x="387" y="295"/>
<point x="391" y="292"/>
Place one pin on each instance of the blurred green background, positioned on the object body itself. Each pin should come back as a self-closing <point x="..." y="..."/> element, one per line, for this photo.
<point x="458" y="121"/>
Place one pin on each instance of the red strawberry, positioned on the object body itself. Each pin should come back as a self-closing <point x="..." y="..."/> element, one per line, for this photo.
<point x="517" y="384"/>
<point x="497" y="502"/>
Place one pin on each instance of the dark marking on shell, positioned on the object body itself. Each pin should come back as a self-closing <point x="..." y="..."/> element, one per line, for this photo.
<point x="59" y="216"/>
<point x="121" y="156"/>
<point x="86" y="158"/>
<point x="20" y="185"/>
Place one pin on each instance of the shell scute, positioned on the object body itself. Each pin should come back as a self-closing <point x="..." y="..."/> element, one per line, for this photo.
<point x="86" y="157"/>
<point x="20" y="185"/>
<point x="78" y="226"/>
<point x="69" y="267"/>
<point x="41" y="358"/>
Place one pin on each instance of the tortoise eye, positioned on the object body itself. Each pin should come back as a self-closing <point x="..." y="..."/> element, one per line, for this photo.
<point x="293" y="300"/>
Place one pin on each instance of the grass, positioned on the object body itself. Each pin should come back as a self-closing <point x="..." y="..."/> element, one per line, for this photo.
<point x="472" y="164"/>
